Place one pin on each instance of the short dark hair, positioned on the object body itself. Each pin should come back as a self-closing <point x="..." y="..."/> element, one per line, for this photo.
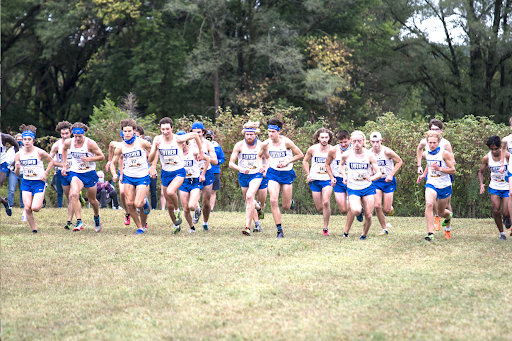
<point x="140" y="129"/>
<point x="165" y="120"/>
<point x="129" y="122"/>
<point x="63" y="126"/>
<point x="435" y="122"/>
<point x="494" y="140"/>
<point x="276" y="122"/>
<point x="343" y="134"/>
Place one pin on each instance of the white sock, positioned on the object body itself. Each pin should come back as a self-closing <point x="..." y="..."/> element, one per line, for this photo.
<point x="177" y="210"/>
<point x="447" y="229"/>
<point x="502" y="233"/>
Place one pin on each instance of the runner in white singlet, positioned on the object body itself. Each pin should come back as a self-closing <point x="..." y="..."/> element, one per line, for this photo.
<point x="357" y="176"/>
<point x="389" y="163"/>
<point x="30" y="161"/>
<point x="282" y="153"/>
<point x="64" y="129"/>
<point x="317" y="176"/>
<point x="135" y="177"/>
<point x="498" y="186"/>
<point x="440" y="164"/>
<point x="169" y="148"/>
<point x="85" y="153"/>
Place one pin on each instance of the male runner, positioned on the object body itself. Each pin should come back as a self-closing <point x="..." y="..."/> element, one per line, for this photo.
<point x="216" y="168"/>
<point x="498" y="187"/>
<point x="170" y="150"/>
<point x="282" y="153"/>
<point x="135" y="177"/>
<point x="437" y="126"/>
<point x="360" y="188"/>
<point x="85" y="153"/>
<point x="33" y="184"/>
<point x="207" y="172"/>
<point x="318" y="178"/>
<point x="4" y="170"/>
<point x="64" y="129"/>
<point x="389" y="163"/>
<point x="440" y="164"/>
<point x="506" y="145"/>
<point x="250" y="175"/>
<point x="111" y="148"/>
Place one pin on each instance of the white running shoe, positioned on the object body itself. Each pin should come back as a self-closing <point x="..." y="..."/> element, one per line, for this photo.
<point x="197" y="215"/>
<point x="388" y="225"/>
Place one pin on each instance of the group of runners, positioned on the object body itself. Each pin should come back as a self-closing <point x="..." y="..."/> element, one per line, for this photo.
<point x="363" y="180"/>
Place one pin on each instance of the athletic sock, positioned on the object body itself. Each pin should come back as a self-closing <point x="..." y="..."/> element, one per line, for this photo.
<point x="176" y="210"/>
<point x="502" y="233"/>
<point x="430" y="233"/>
<point x="205" y="223"/>
<point x="176" y="226"/>
<point x="447" y="229"/>
<point x="193" y="228"/>
<point x="279" y="228"/>
<point x="257" y="224"/>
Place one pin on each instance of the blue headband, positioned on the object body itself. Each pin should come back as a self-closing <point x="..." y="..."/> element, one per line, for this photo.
<point x="28" y="133"/>
<point x="249" y="130"/>
<point x="78" y="131"/>
<point x="273" y="126"/>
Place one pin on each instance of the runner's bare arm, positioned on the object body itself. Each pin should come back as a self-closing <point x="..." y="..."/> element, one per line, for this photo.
<point x="93" y="148"/>
<point x="297" y="153"/>
<point x="390" y="154"/>
<point x="330" y="157"/>
<point x="45" y="157"/>
<point x="483" y="166"/>
<point x="419" y="154"/>
<point x="234" y="156"/>
<point x="377" y="174"/>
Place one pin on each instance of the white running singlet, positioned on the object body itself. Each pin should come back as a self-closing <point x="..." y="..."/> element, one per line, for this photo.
<point x="32" y="165"/>
<point x="436" y="178"/>
<point x="77" y="153"/>
<point x="201" y="163"/>
<point x="191" y="165"/>
<point x="135" y="162"/>
<point x="497" y="179"/>
<point x="59" y="156"/>
<point x="318" y="159"/>
<point x="171" y="156"/>
<point x="279" y="154"/>
<point x="385" y="165"/>
<point x="358" y="170"/>
<point x="247" y="157"/>
<point x="2" y="151"/>
<point x="335" y="164"/>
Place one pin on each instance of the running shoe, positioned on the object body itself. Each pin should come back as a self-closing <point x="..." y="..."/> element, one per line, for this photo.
<point x="246" y="231"/>
<point x="326" y="232"/>
<point x="360" y="217"/>
<point x="429" y="238"/>
<point x="345" y="235"/>
<point x="34" y="231"/>
<point x="97" y="224"/>
<point x="502" y="237"/>
<point x="384" y="233"/>
<point x="447" y="234"/>
<point x="362" y="238"/>
<point x="280" y="234"/>
<point x="292" y="206"/>
<point x="197" y="214"/>
<point x="205" y="227"/>
<point x="392" y="212"/>
<point x="507" y="222"/>
<point x="8" y="209"/>
<point x="177" y="229"/>
<point x="82" y="201"/>
<point x="256" y="229"/>
<point x="146" y="208"/>
<point x="388" y="225"/>
<point x="177" y="216"/>
<point x="437" y="223"/>
<point x="141" y="231"/>
<point x="68" y="225"/>
<point x="261" y="214"/>
<point x="127" y="219"/>
<point x="24" y="216"/>
<point x="192" y="230"/>
<point x="447" y="222"/>
<point x="79" y="226"/>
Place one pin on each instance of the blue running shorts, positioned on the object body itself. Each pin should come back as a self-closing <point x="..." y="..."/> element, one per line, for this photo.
<point x="167" y="177"/>
<point x="33" y="186"/>
<point x="144" y="181"/>
<point x="370" y="190"/>
<point x="442" y="193"/>
<point x="4" y="167"/>
<point x="501" y="193"/>
<point x="209" y="178"/>
<point x="386" y="187"/>
<point x="281" y="177"/>
<point x="64" y="180"/>
<point x="89" y="179"/>
<point x="317" y="185"/>
<point x="190" y="184"/>
<point x="340" y="187"/>
<point x="244" y="179"/>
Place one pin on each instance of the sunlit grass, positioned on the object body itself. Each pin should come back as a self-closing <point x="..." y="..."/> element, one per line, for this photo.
<point x="223" y="285"/>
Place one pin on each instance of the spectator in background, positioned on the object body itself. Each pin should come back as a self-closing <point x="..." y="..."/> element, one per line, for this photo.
<point x="14" y="180"/>
<point x="105" y="193"/>
<point x="216" y="168"/>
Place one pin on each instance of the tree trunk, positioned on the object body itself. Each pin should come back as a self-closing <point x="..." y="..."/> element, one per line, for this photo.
<point x="216" y="91"/>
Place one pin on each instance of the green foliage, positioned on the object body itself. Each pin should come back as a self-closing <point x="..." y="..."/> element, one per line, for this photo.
<point x="107" y="111"/>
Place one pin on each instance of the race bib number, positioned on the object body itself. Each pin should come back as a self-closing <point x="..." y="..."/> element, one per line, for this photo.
<point x="134" y="162"/>
<point x="201" y="165"/>
<point x="29" y="172"/>
<point x="83" y="166"/>
<point x="321" y="170"/>
<point x="498" y="177"/>
<point x="69" y="163"/>
<point x="435" y="173"/>
<point x="171" y="160"/>
<point x="360" y="175"/>
<point x="251" y="164"/>
<point x="189" y="172"/>
<point x="382" y="170"/>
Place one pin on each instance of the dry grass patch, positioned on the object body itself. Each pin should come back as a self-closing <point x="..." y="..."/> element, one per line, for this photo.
<point x="222" y="285"/>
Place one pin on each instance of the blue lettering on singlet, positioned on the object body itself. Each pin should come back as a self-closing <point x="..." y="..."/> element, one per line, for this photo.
<point x="320" y="159"/>
<point x="189" y="163"/>
<point x="168" y="152"/>
<point x="136" y="153"/>
<point x="277" y="155"/>
<point x="29" y="162"/>
<point x="430" y="163"/>
<point x="358" y="165"/>
<point x="497" y="169"/>
<point x="78" y="156"/>
<point x="249" y="156"/>
<point x="381" y="163"/>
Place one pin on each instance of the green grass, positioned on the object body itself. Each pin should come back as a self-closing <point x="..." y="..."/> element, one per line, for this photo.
<point x="60" y="285"/>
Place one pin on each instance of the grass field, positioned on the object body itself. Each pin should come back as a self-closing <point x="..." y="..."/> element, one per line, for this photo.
<point x="60" y="285"/>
